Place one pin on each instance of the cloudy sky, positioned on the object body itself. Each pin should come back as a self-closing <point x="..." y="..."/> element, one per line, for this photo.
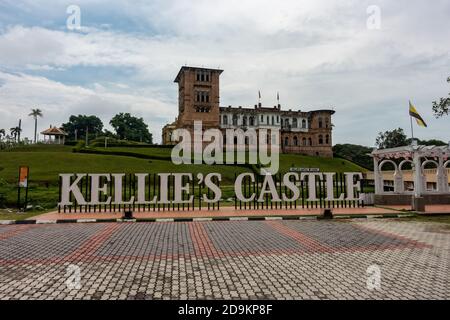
<point x="316" y="53"/>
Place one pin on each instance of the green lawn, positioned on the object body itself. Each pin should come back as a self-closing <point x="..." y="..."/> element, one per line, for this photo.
<point x="45" y="166"/>
<point x="40" y="148"/>
<point x="287" y="161"/>
<point x="14" y="215"/>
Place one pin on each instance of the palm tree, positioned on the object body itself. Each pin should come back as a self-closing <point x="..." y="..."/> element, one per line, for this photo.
<point x="35" y="113"/>
<point x="15" y="132"/>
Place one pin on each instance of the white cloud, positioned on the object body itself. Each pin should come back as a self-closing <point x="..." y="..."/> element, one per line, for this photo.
<point x="20" y="93"/>
<point x="316" y="53"/>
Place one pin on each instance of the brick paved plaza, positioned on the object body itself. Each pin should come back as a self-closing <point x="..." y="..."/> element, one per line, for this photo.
<point x="226" y="260"/>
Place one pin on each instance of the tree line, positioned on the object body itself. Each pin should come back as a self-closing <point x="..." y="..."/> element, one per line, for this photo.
<point x="125" y="126"/>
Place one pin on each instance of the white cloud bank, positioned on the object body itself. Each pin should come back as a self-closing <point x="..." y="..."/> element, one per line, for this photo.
<point x="20" y="92"/>
<point x="316" y="53"/>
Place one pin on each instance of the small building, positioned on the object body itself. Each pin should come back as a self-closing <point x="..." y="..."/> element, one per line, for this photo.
<point x="54" y="135"/>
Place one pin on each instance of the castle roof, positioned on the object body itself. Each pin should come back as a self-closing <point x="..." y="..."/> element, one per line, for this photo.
<point x="258" y="109"/>
<point x="186" y="68"/>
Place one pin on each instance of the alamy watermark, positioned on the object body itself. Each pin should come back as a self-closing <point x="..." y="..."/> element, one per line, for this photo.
<point x="251" y="146"/>
<point x="373" y="278"/>
<point x="374" y="17"/>
<point x="73" y="21"/>
<point x="73" y="275"/>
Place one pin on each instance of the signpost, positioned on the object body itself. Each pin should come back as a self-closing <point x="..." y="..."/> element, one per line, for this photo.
<point x="294" y="169"/>
<point x="24" y="172"/>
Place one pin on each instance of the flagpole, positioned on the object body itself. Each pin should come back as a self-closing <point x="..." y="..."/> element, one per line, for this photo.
<point x="412" y="130"/>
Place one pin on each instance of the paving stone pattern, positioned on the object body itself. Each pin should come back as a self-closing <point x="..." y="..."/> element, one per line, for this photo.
<point x="226" y="260"/>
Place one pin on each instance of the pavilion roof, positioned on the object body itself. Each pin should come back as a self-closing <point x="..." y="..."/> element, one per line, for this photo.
<point x="425" y="151"/>
<point x="54" y="131"/>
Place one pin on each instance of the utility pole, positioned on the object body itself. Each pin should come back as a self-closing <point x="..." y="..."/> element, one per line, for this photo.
<point x="76" y="134"/>
<point x="87" y="136"/>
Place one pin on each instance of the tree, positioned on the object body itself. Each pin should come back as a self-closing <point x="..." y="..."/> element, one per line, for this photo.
<point x="15" y="132"/>
<point x="391" y="139"/>
<point x="442" y="107"/>
<point x="431" y="142"/>
<point x="355" y="153"/>
<point x="80" y="123"/>
<point x="131" y="128"/>
<point x="35" y="113"/>
<point x="2" y="134"/>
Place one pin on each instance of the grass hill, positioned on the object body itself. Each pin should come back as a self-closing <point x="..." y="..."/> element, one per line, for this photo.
<point x="47" y="161"/>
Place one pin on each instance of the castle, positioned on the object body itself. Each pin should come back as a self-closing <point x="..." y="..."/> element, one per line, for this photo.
<point x="308" y="133"/>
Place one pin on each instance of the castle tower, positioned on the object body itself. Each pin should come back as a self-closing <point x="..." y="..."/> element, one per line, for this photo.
<point x="198" y="96"/>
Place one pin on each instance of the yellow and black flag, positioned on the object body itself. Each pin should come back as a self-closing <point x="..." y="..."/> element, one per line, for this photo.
<point x="413" y="113"/>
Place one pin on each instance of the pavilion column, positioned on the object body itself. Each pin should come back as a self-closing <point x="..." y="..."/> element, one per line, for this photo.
<point x="447" y="188"/>
<point x="377" y="178"/>
<point x="399" y="186"/>
<point x="418" y="177"/>
<point x="441" y="177"/>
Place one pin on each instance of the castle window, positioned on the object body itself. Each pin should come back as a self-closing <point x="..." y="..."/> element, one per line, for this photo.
<point x="202" y="96"/>
<point x="295" y="141"/>
<point x="310" y="142"/>
<point x="278" y="119"/>
<point x="252" y="121"/>
<point x="273" y="120"/>
<point x="235" y="120"/>
<point x="262" y="118"/>
<point x="225" y="119"/>
<point x="244" y="121"/>
<point x="327" y="139"/>
<point x="281" y="122"/>
<point x="286" y="141"/>
<point x="304" y="123"/>
<point x="320" y="123"/>
<point x="304" y="141"/>
<point x="202" y="76"/>
<point x="294" y="123"/>
<point x="268" y="120"/>
<point x="320" y="139"/>
<point x="326" y="123"/>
